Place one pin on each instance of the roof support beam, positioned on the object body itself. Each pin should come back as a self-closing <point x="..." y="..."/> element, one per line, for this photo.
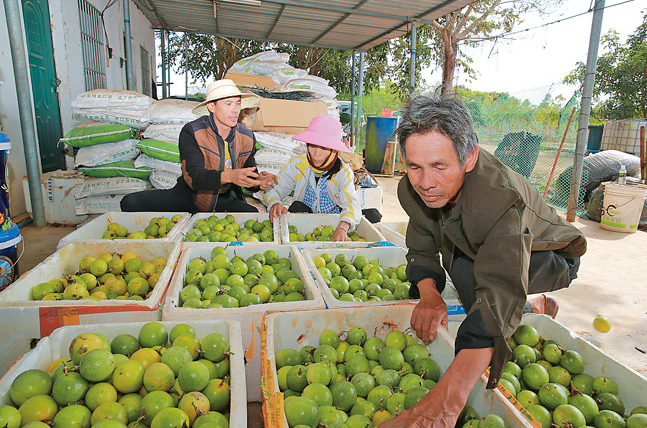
<point x="417" y="18"/>
<point x="339" y="21"/>
<point x="330" y="8"/>
<point x="276" y="21"/>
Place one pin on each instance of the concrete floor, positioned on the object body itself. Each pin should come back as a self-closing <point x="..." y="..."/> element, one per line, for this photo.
<point x="612" y="282"/>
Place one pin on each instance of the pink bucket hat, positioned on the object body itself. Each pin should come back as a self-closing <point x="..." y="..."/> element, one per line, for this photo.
<point x="324" y="131"/>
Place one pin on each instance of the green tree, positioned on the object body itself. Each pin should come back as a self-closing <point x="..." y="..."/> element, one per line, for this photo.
<point x="468" y="26"/>
<point x="621" y="79"/>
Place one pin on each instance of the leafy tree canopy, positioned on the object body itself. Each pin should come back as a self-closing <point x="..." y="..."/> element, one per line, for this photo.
<point x="620" y="87"/>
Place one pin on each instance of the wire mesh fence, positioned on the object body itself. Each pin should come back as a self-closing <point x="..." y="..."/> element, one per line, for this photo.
<point x="524" y="130"/>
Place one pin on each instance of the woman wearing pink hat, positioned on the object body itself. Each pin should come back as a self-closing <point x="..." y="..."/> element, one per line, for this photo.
<point x="321" y="181"/>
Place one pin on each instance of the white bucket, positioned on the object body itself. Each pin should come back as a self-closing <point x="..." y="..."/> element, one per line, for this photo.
<point x="622" y="206"/>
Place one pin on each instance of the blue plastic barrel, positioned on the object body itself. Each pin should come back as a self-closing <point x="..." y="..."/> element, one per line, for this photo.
<point x="9" y="240"/>
<point x="379" y="131"/>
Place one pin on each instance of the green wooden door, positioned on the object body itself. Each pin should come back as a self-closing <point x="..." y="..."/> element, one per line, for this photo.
<point x="44" y="83"/>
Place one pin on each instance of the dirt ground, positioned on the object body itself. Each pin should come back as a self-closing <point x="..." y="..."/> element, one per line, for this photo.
<point x="612" y="281"/>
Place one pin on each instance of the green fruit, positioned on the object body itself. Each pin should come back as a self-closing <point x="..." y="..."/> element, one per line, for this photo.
<point x="541" y="415"/>
<point x="414" y="395"/>
<point x="318" y="393"/>
<point x="344" y="395"/>
<point x="608" y="419"/>
<point x="534" y="376"/>
<point x="526" y="335"/>
<point x="302" y="411"/>
<point x="29" y="384"/>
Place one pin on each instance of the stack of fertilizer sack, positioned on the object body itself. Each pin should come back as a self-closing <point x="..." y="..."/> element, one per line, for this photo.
<point x="129" y="144"/>
<point x="287" y="78"/>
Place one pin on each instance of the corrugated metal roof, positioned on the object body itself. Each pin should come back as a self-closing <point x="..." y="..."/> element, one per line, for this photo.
<point x="342" y="24"/>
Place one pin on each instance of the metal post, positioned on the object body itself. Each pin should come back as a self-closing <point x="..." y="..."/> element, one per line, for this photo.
<point x="412" y="61"/>
<point x="585" y="110"/>
<point x="163" y="48"/>
<point x="28" y="126"/>
<point x="360" y="113"/>
<point x="186" y="68"/>
<point x="168" y="66"/>
<point x="352" y="103"/>
<point x="130" y="77"/>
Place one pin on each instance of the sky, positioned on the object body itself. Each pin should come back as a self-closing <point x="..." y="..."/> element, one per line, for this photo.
<point x="544" y="56"/>
<point x="536" y="59"/>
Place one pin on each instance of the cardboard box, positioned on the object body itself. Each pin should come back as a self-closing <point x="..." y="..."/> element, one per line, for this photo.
<point x="251" y="80"/>
<point x="58" y="189"/>
<point x="290" y="117"/>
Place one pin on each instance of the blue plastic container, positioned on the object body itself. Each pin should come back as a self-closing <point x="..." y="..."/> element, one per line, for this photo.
<point x="379" y="131"/>
<point x="9" y="240"/>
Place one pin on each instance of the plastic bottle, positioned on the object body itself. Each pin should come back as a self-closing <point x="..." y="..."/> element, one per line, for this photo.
<point x="622" y="178"/>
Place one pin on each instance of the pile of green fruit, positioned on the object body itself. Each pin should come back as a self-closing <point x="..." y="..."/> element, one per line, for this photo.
<point x="550" y="382"/>
<point x="109" y="276"/>
<point x="231" y="283"/>
<point x="130" y="382"/>
<point x="354" y="380"/>
<point x="215" y="229"/>
<point x="158" y="227"/>
<point x="323" y="233"/>
<point x="361" y="280"/>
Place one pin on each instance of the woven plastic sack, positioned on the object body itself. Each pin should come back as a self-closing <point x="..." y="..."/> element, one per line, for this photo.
<point x="162" y="150"/>
<point x="96" y="186"/>
<point x="117" y="169"/>
<point x="99" y="205"/>
<point x="311" y="85"/>
<point x="160" y="165"/>
<point x="170" y="133"/>
<point x="244" y="65"/>
<point x="115" y="106"/>
<point x="90" y="134"/>
<point x="172" y="111"/>
<point x="163" y="179"/>
<point x="283" y="75"/>
<point x="279" y="141"/>
<point x="107" y="153"/>
<point x="272" y="157"/>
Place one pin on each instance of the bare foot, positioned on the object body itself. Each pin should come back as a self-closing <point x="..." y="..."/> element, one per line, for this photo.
<point x="543" y="304"/>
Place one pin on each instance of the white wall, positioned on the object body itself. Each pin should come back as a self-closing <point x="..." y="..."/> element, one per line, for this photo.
<point x="66" y="39"/>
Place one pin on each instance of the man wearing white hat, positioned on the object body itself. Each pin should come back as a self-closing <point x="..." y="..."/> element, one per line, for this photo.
<point x="217" y="155"/>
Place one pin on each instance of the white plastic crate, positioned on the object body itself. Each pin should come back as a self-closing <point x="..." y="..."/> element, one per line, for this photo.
<point x="370" y="197"/>
<point x="307" y="222"/>
<point x="395" y="231"/>
<point x="57" y="346"/>
<point x="250" y="317"/>
<point x="240" y="219"/>
<point x="297" y="329"/>
<point x="597" y="362"/>
<point x="93" y="230"/>
<point x="388" y="256"/>
<point x="24" y="319"/>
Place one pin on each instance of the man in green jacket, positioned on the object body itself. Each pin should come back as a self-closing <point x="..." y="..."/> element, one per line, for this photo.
<point x="497" y="238"/>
